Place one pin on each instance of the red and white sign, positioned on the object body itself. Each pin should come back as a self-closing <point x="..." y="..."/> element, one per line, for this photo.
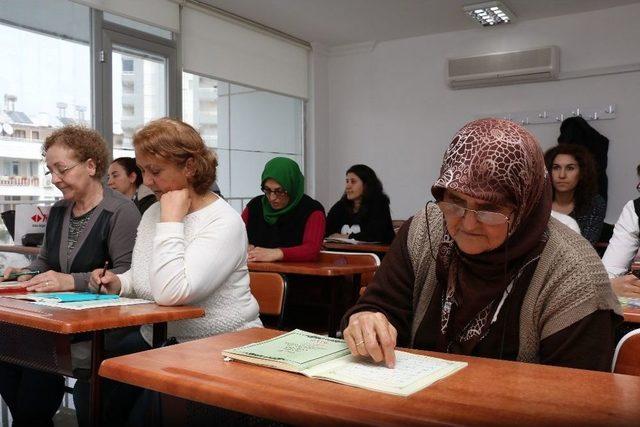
<point x="30" y="219"/>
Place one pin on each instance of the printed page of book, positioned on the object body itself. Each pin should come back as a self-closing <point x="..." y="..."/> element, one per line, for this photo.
<point x="293" y="351"/>
<point x="412" y="372"/>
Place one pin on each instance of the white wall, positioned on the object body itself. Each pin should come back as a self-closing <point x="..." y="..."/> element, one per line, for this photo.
<point x="390" y="107"/>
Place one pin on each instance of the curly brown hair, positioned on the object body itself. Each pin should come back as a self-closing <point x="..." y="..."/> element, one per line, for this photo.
<point x="177" y="142"/>
<point x="587" y="186"/>
<point x="86" y="143"/>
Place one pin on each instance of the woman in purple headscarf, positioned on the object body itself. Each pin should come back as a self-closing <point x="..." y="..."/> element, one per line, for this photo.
<point x="485" y="271"/>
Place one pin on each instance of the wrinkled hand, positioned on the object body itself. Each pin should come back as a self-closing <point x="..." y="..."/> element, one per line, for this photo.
<point x="250" y="248"/>
<point x="174" y="205"/>
<point x="50" y="281"/>
<point x="626" y="286"/>
<point x="110" y="282"/>
<point x="258" y="254"/>
<point x="370" y="334"/>
<point x="9" y="270"/>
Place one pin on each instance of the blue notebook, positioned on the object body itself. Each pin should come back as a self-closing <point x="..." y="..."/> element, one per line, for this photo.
<point x="77" y="296"/>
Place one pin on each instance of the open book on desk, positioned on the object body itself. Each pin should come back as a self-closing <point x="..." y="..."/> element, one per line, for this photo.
<point x="329" y="359"/>
<point x="348" y="241"/>
<point x="77" y="300"/>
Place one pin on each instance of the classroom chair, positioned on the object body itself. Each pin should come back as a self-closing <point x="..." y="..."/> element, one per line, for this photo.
<point x="626" y="359"/>
<point x="270" y="290"/>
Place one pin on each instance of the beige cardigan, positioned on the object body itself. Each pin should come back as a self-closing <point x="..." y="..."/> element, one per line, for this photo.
<point x="568" y="284"/>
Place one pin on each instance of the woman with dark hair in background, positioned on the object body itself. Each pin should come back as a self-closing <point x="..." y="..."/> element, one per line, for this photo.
<point x="575" y="193"/>
<point x="576" y="130"/>
<point x="126" y="177"/>
<point x="363" y="211"/>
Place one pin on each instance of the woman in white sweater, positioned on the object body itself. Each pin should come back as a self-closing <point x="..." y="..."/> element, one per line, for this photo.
<point x="191" y="248"/>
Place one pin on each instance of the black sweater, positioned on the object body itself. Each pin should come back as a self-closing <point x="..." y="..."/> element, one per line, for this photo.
<point x="374" y="219"/>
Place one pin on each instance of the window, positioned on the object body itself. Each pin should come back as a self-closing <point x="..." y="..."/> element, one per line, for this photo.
<point x="44" y="84"/>
<point x="246" y="127"/>
<point x="127" y="65"/>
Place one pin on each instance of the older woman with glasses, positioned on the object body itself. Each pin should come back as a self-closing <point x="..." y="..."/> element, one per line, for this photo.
<point x="284" y="224"/>
<point x="485" y="271"/>
<point x="91" y="225"/>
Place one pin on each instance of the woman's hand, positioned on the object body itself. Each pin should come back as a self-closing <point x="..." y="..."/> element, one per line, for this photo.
<point x="626" y="286"/>
<point x="110" y="282"/>
<point x="264" y="254"/>
<point x="370" y="334"/>
<point x="8" y="271"/>
<point x="50" y="281"/>
<point x="174" y="205"/>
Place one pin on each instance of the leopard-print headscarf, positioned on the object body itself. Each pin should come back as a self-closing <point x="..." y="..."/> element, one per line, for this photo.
<point x="497" y="161"/>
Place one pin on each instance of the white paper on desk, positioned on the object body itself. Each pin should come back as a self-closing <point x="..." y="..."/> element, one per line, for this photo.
<point x="412" y="372"/>
<point x="80" y="305"/>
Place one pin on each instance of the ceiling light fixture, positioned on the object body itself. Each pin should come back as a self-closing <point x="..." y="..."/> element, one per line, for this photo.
<point x="489" y="14"/>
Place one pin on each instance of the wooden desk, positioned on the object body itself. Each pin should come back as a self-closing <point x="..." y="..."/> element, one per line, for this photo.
<point x="487" y="392"/>
<point x="631" y="315"/>
<point x="48" y="332"/>
<point x="24" y="250"/>
<point x="328" y="265"/>
<point x="346" y="247"/>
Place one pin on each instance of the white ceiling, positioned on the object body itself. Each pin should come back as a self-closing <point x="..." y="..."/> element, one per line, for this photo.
<point x="340" y="22"/>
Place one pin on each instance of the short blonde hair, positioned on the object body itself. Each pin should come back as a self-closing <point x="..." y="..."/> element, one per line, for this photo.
<point x="86" y="143"/>
<point x="177" y="142"/>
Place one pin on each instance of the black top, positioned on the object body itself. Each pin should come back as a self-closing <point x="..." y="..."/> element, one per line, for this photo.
<point x="591" y="220"/>
<point x="144" y="203"/>
<point x="287" y="231"/>
<point x="374" y="219"/>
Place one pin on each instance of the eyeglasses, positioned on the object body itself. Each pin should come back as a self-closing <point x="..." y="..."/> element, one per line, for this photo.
<point x="278" y="192"/>
<point x="61" y="173"/>
<point x="486" y="217"/>
<point x="638" y="187"/>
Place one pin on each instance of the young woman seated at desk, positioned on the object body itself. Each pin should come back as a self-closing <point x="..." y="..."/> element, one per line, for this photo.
<point x="363" y="211"/>
<point x="284" y="224"/>
<point x="485" y="272"/>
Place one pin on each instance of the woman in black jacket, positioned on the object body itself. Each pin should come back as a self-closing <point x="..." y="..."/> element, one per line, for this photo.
<point x="363" y="211"/>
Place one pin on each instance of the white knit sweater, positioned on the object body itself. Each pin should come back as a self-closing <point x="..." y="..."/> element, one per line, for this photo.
<point x="201" y="261"/>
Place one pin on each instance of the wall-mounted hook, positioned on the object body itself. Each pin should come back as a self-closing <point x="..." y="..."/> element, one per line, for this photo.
<point x="609" y="109"/>
<point x="543" y="115"/>
<point x="595" y="115"/>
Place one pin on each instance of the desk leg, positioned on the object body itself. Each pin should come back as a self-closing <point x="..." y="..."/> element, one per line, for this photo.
<point x="159" y="334"/>
<point x="337" y="291"/>
<point x="97" y="354"/>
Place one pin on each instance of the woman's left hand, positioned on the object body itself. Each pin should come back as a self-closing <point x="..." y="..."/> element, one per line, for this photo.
<point x="174" y="205"/>
<point x="50" y="281"/>
<point x="259" y="254"/>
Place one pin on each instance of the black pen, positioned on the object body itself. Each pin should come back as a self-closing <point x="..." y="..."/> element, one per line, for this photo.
<point x="104" y="270"/>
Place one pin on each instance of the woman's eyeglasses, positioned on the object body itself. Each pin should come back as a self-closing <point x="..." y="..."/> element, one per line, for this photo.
<point x="61" y="173"/>
<point x="278" y="192"/>
<point x="486" y="217"/>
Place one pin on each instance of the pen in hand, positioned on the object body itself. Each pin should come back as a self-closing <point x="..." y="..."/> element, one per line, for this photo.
<point x="104" y="271"/>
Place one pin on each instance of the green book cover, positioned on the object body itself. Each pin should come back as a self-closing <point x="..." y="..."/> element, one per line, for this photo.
<point x="294" y="351"/>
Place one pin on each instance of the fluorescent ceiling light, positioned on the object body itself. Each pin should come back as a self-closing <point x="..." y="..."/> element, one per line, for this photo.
<point x="489" y="14"/>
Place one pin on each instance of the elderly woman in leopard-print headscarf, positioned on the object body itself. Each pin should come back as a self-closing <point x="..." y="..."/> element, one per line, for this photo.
<point x="485" y="270"/>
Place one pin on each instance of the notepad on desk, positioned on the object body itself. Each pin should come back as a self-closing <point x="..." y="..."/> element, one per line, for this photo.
<point x="77" y="300"/>
<point x="325" y="358"/>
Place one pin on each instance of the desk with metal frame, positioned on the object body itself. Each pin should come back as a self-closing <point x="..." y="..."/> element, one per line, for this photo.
<point x="39" y="337"/>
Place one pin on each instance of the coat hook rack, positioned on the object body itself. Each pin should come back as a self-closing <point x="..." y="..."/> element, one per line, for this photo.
<point x="557" y="115"/>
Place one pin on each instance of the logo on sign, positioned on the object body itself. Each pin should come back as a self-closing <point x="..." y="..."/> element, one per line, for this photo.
<point x="39" y="217"/>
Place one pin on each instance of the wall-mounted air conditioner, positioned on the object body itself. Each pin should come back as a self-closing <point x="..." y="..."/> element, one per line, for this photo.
<point x="504" y="68"/>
